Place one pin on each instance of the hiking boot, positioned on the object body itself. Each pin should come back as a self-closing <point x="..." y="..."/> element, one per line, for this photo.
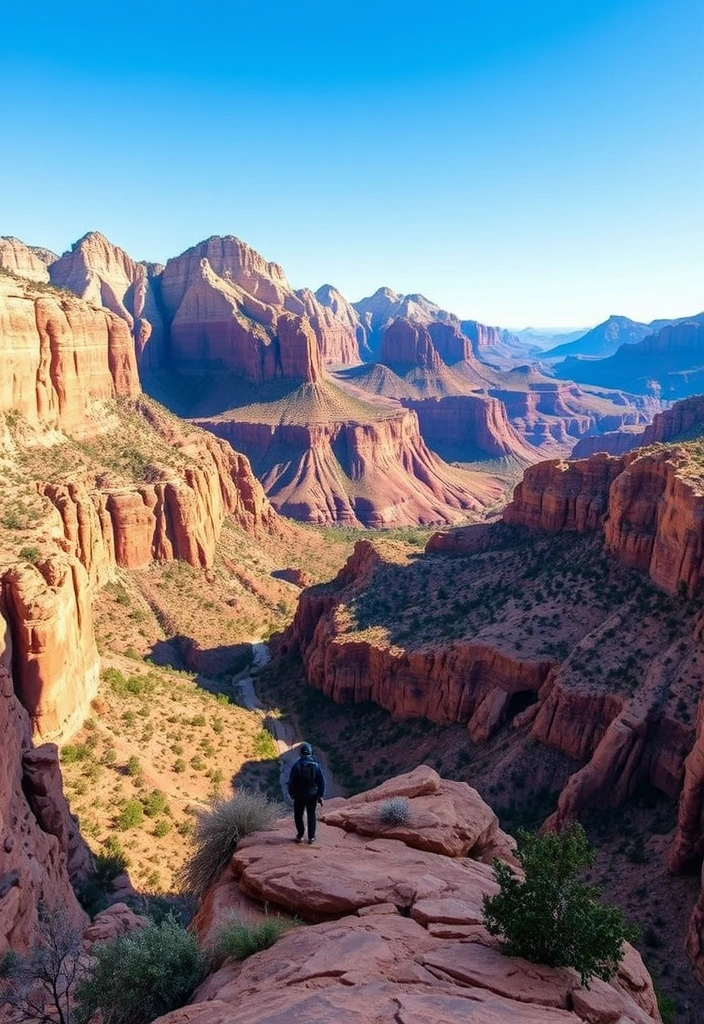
<point x="311" y="841"/>
<point x="298" y="839"/>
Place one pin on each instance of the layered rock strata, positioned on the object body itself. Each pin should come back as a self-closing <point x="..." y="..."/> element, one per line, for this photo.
<point x="374" y="474"/>
<point x="60" y="357"/>
<point x="40" y="849"/>
<point x="231" y="309"/>
<point x="30" y="261"/>
<point x="397" y="932"/>
<point x="104" y="275"/>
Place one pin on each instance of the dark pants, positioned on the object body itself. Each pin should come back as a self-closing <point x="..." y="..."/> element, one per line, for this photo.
<point x="307" y="804"/>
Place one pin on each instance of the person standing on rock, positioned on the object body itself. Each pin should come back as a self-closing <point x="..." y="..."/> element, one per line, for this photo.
<point x="306" y="787"/>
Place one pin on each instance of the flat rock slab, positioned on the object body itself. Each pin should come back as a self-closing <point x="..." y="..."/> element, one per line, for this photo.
<point x="345" y="872"/>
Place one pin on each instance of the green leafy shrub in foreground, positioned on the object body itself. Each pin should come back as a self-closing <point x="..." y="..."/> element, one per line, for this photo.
<point x="551" y="917"/>
<point x="239" y="939"/>
<point x="140" y="976"/>
<point x="217" y="832"/>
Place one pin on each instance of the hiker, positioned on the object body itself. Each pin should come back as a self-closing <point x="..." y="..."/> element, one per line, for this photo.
<point x="306" y="787"/>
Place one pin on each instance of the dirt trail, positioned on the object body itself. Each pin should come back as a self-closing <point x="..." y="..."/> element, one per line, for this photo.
<point x="285" y="737"/>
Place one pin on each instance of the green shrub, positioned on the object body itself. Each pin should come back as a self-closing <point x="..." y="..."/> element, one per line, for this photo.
<point x="396" y="811"/>
<point x="93" y="893"/>
<point x="31" y="554"/>
<point x="551" y="917"/>
<point x="142" y="975"/>
<point x="73" y="752"/>
<point x="217" y="832"/>
<point x="131" y="816"/>
<point x="133" y="766"/>
<point x="162" y="828"/>
<point x="155" y="804"/>
<point x="239" y="939"/>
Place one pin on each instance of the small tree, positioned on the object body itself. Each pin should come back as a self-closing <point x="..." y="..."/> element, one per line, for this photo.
<point x="551" y="917"/>
<point x="40" y="987"/>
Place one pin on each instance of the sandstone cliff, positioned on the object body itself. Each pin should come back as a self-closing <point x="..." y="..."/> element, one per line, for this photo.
<point x="28" y="261"/>
<point x="650" y="504"/>
<point x="40" y="848"/>
<point x="395" y="925"/>
<point x="60" y="357"/>
<point x="231" y="309"/>
<point x="321" y="467"/>
<point x="104" y="275"/>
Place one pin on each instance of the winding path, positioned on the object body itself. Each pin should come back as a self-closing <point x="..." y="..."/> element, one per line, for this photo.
<point x="285" y="736"/>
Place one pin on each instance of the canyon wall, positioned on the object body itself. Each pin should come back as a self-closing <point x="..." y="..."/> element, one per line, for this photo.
<point x="61" y="356"/>
<point x="105" y="275"/>
<point x="231" y="309"/>
<point x="40" y="847"/>
<point x="650" y="505"/>
<point x="373" y="474"/>
<point x="28" y="261"/>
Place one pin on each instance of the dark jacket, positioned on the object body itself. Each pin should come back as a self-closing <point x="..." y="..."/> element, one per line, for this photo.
<point x="297" y="787"/>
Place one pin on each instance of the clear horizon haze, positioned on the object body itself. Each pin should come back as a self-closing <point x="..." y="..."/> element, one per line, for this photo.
<point x="517" y="163"/>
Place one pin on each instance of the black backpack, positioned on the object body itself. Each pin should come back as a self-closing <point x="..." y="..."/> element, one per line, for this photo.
<point x="307" y="778"/>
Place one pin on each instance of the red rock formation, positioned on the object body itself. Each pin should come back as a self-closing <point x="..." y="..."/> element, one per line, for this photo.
<point x="400" y="933"/>
<point x="60" y="356"/>
<point x="558" y="495"/>
<point x="375" y="474"/>
<point x="38" y="839"/>
<point x="28" y="261"/>
<point x="225" y="304"/>
<point x="104" y="275"/>
<point x="408" y="343"/>
<point x="474" y="425"/>
<point x="56" y="663"/>
<point x="179" y="516"/>
<point x="443" y="684"/>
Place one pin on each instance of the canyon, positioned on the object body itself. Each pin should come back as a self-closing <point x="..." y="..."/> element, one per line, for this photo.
<point x="571" y="626"/>
<point x="220" y="336"/>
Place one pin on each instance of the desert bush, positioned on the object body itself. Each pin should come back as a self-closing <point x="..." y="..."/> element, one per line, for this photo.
<point x="93" y="893"/>
<point x="142" y="975"/>
<point x="131" y="816"/>
<point x="155" y="803"/>
<point x="550" y="917"/>
<point x="239" y="939"/>
<point x="396" y="811"/>
<point x="217" y="832"/>
<point x="133" y="766"/>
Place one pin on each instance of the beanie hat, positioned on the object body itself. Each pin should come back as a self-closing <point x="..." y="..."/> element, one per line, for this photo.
<point x="306" y="749"/>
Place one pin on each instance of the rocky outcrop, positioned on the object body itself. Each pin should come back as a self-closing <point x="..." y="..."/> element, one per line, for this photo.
<point x="230" y="309"/>
<point x="408" y="343"/>
<point x="470" y="427"/>
<point x="106" y="523"/>
<point x="376" y="473"/>
<point x="557" y="495"/>
<point x="28" y="261"/>
<point x="60" y="356"/>
<point x="397" y="931"/>
<point x="680" y="420"/>
<point x="55" y="659"/>
<point x="39" y="843"/>
<point x="104" y="275"/>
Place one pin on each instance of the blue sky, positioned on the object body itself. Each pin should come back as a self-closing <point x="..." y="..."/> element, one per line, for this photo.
<point x="532" y="162"/>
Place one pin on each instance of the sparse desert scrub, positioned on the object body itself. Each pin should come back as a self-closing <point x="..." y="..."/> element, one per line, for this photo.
<point x="238" y="939"/>
<point x="217" y="832"/>
<point x="395" y="812"/>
